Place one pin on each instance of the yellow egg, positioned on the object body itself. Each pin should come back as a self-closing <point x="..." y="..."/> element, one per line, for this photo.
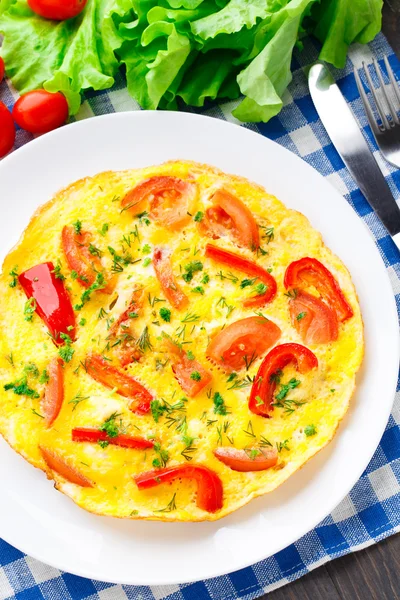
<point x="188" y="431"/>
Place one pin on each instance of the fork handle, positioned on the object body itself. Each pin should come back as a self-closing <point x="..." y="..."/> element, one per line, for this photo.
<point x="396" y="239"/>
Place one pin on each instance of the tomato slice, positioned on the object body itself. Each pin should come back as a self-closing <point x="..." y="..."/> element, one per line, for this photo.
<point x="240" y="343"/>
<point x="249" y="267"/>
<point x="230" y="216"/>
<point x="243" y="460"/>
<point x="87" y="434"/>
<point x="263" y="388"/>
<point x="310" y="272"/>
<point x="52" y="302"/>
<point x="62" y="467"/>
<point x="167" y="279"/>
<point x="169" y="200"/>
<point x="102" y="371"/>
<point x="313" y="319"/>
<point x="53" y="398"/>
<point x="122" y="334"/>
<point x="76" y="250"/>
<point x="209" y="486"/>
<point x="183" y="369"/>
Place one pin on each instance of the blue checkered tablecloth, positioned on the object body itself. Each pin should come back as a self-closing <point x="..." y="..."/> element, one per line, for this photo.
<point x="371" y="511"/>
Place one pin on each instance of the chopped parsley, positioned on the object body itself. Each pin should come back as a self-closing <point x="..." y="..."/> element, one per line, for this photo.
<point x="94" y="251"/>
<point x="190" y="269"/>
<point x="165" y="314"/>
<point x="190" y="355"/>
<point x="14" y="275"/>
<point x="57" y="272"/>
<point x="99" y="284"/>
<point x="119" y="262"/>
<point x="195" y="376"/>
<point x="205" y="279"/>
<point x="146" y="249"/>
<point x="198" y="216"/>
<point x="310" y="430"/>
<point x="78" y="227"/>
<point x="104" y="229"/>
<point x="301" y="316"/>
<point x="110" y="426"/>
<point x="44" y="377"/>
<point x="143" y="217"/>
<point x="286" y="387"/>
<point x="198" y="290"/>
<point x="82" y="322"/>
<point x="29" y="309"/>
<point x="66" y="351"/>
<point x="219" y="404"/>
<point x="247" y="282"/>
<point x="146" y="261"/>
<point x="21" y="388"/>
<point x="261" y="288"/>
<point x="31" y="369"/>
<point x="157" y="409"/>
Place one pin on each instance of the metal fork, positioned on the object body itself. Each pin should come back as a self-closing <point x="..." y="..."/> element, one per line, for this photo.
<point x="387" y="134"/>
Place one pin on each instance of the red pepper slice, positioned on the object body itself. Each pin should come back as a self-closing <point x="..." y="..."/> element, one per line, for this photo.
<point x="167" y="279"/>
<point x="62" y="467"/>
<point x="52" y="302"/>
<point x="242" y="460"/>
<point x="102" y="371"/>
<point x="53" y="398"/>
<point x="87" y="434"/>
<point x="79" y="258"/>
<point x="183" y="368"/>
<point x="263" y="388"/>
<point x="311" y="272"/>
<point x="230" y="216"/>
<point x="209" y="485"/>
<point x="249" y="267"/>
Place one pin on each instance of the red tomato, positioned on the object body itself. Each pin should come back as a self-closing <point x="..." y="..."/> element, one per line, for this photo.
<point x="169" y="200"/>
<point x="310" y="272"/>
<point x="230" y="216"/>
<point x="61" y="466"/>
<point x="59" y="10"/>
<point x="249" y="267"/>
<point x="183" y="368"/>
<point x="53" y="398"/>
<point x="86" y="434"/>
<point x="52" y="302"/>
<point x="209" y="486"/>
<point x="102" y="371"/>
<point x="238" y="344"/>
<point x="122" y="331"/>
<point x="243" y="460"/>
<point x="313" y="319"/>
<point x="79" y="258"/>
<point x="166" y="277"/>
<point x="2" y="69"/>
<point x="263" y="388"/>
<point x="7" y="130"/>
<point x="40" y="111"/>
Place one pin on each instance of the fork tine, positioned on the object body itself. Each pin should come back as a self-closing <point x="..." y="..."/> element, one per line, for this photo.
<point x="394" y="84"/>
<point x="391" y="107"/>
<point x="377" y="100"/>
<point x="367" y="107"/>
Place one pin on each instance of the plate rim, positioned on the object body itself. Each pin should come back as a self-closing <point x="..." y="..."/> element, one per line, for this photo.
<point x="27" y="149"/>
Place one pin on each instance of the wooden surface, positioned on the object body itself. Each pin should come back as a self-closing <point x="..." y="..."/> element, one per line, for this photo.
<point x="374" y="573"/>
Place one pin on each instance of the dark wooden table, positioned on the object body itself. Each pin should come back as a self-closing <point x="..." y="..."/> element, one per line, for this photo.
<point x="374" y="573"/>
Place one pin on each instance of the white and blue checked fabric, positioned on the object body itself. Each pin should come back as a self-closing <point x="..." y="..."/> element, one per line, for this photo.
<point x="371" y="511"/>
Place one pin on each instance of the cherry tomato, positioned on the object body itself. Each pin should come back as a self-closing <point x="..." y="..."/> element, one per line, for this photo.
<point x="7" y="130"/>
<point x="59" y="10"/>
<point x="251" y="459"/>
<point x="241" y="342"/>
<point x="169" y="200"/>
<point x="315" y="321"/>
<point x="263" y="388"/>
<point x="51" y="300"/>
<point x="230" y="216"/>
<point x="183" y="368"/>
<point x="105" y="373"/>
<point x="2" y="69"/>
<point x="53" y="398"/>
<point x="235" y="261"/>
<point x="209" y="486"/>
<point x="76" y="248"/>
<point x="166" y="277"/>
<point x="62" y="467"/>
<point x="40" y="111"/>
<point x="310" y="272"/>
<point x="87" y="434"/>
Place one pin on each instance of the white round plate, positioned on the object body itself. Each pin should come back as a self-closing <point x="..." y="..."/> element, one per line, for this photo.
<point x="49" y="526"/>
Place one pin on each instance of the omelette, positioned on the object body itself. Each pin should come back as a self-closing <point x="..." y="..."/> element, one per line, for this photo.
<point x="175" y="342"/>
